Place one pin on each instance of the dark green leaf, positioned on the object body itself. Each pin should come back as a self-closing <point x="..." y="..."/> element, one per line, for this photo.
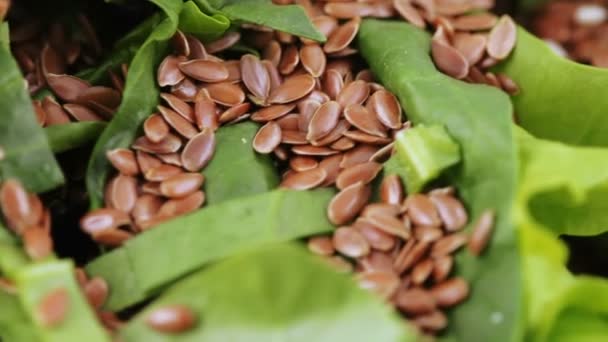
<point x="72" y="135"/>
<point x="479" y="119"/>
<point x="291" y="18"/>
<point x="138" y="101"/>
<point x="205" y="27"/>
<point x="216" y="232"/>
<point x="27" y="155"/>
<point x="278" y="293"/>
<point x="559" y="99"/>
<point x="236" y="170"/>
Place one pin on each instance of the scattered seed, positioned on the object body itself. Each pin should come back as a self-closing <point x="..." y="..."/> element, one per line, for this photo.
<point x="434" y="321"/>
<point x="501" y="39"/>
<point x="53" y="308"/>
<point x="37" y="243"/>
<point x="377" y="238"/>
<point x="171" y="319"/>
<point x="97" y="291"/>
<point x="324" y="120"/>
<point x="301" y="163"/>
<point x="449" y="60"/>
<point x="482" y="232"/>
<point x="226" y="93"/>
<point x="313" y="59"/>
<point x="104" y="219"/>
<point x="409" y="12"/>
<point x="364" y="120"/>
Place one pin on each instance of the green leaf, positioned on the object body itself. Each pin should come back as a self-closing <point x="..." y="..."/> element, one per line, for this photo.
<point x="563" y="188"/>
<point x="424" y="153"/>
<point x="69" y="136"/>
<point x="287" y="18"/>
<point x="205" y="27"/>
<point x="236" y="170"/>
<point x="192" y="241"/>
<point x="277" y="293"/>
<point x="139" y="99"/>
<point x="478" y="118"/>
<point x="37" y="280"/>
<point x="27" y="155"/>
<point x="12" y="258"/>
<point x="14" y="323"/>
<point x="559" y="99"/>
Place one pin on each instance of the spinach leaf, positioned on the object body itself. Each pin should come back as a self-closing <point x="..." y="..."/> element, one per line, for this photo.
<point x="479" y="119"/>
<point x="14" y="323"/>
<point x="27" y="155"/>
<point x="37" y="280"/>
<point x="69" y="136"/>
<point x="192" y="241"/>
<point x="236" y="170"/>
<point x="205" y="27"/>
<point x="277" y="293"/>
<point x="287" y="18"/>
<point x="139" y="99"/>
<point x="558" y="99"/>
<point x="563" y="188"/>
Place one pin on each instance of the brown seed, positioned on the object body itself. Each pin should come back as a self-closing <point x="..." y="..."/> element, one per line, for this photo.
<point x="185" y="90"/>
<point x="169" y="144"/>
<point x="422" y="211"/>
<point x="324" y="120"/>
<point x="389" y="224"/>
<point x="449" y="60"/>
<point x="177" y="122"/>
<point x="104" y="219"/>
<point x="377" y="261"/>
<point x="16" y="205"/>
<point x="387" y="108"/>
<point x="180" y="44"/>
<point x="67" y="87"/>
<point x="310" y="150"/>
<point x="355" y="92"/>
<point x="38" y="211"/>
<point x="482" y="232"/>
<point x="273" y="73"/>
<point x="289" y="122"/>
<point x="342" y="144"/>
<point x="37" y="243"/>
<point x="182" y="206"/>
<point x="289" y="60"/>
<point x="321" y="245"/>
<point x="409" y="12"/>
<point x="451" y="211"/>
<point x="223" y="43"/>
<point x="410" y="255"/>
<point x="267" y="138"/>
<point x="162" y="172"/>
<point x="501" y="39"/>
<point x="146" y="207"/>
<point x="204" y="70"/>
<point x="234" y="112"/>
<point x="345" y="206"/>
<point x="434" y="321"/>
<point x="492" y="80"/>
<point x="112" y="237"/>
<point x="391" y="190"/>
<point x="475" y="22"/>
<point x="307" y="109"/>
<point x="325" y="24"/>
<point x="272" y="113"/>
<point x="304" y="180"/>
<point x="427" y="233"/>
<point x="123" y="193"/>
<point x="181" y="185"/>
<point x="272" y="52"/>
<point x="451" y="292"/>
<point x="318" y="96"/>
<point x="96" y="291"/>
<point x="234" y="71"/>
<point x="364" y="120"/>
<point x="255" y="76"/>
<point x="422" y="271"/>
<point x="197" y="49"/>
<point x="171" y="319"/>
<point x="169" y="73"/>
<point x="471" y="46"/>
<point x="335" y="134"/>
<point x="104" y="96"/>
<point x="331" y="165"/>
<point x="151" y="188"/>
<point x="350" y="242"/>
<point x="179" y="106"/>
<point x="225" y="93"/>
<point x="53" y="307"/>
<point x="358" y="155"/>
<point x="198" y="151"/>
<point x="146" y="161"/>
<point x="364" y="172"/>
<point x="415" y="301"/>
<point x="156" y="128"/>
<point x="377" y="238"/>
<point x="508" y="84"/>
<point x="348" y="10"/>
<point x="55" y="115"/>
<point x="300" y="163"/>
<point x="333" y="83"/>
<point x="40" y="113"/>
<point x="342" y="36"/>
<point x="313" y="59"/>
<point x="205" y="111"/>
<point x="81" y="113"/>
<point x="442" y="268"/>
<point x="292" y="137"/>
<point x="448" y="244"/>
<point x="382" y="283"/>
<point x="292" y="89"/>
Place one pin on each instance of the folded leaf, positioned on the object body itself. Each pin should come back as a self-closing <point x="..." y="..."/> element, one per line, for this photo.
<point x="69" y="136"/>
<point x="558" y="99"/>
<point x="478" y="118"/>
<point x="138" y="269"/>
<point x="205" y="27"/>
<point x="277" y="293"/>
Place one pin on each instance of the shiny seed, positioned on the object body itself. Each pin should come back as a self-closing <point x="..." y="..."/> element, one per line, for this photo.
<point x="182" y="206"/>
<point x="198" y="151"/>
<point x="234" y="71"/>
<point x="449" y="60"/>
<point x="67" y="87"/>
<point x="162" y="173"/>
<point x="415" y="301"/>
<point x="410" y="255"/>
<point x="255" y="76"/>
<point x="292" y="89"/>
<point x="358" y="155"/>
<point x="345" y="206"/>
<point x="475" y="22"/>
<point x="364" y="172"/>
<point x="304" y="180"/>
<point x="391" y="190"/>
<point x="301" y="163"/>
<point x="185" y="90"/>
<point x="234" y="112"/>
<point x="205" y="112"/>
<point x="342" y="144"/>
<point x="53" y="308"/>
<point x="146" y="161"/>
<point x="223" y="43"/>
<point x="104" y="96"/>
<point x="324" y="120"/>
<point x="146" y="207"/>
<point x="273" y="74"/>
<point x="341" y="37"/>
<point x="37" y="243"/>
<point x="339" y="264"/>
<point x="427" y="233"/>
<point x="377" y="238"/>
<point x="171" y="319"/>
<point x="169" y="144"/>
<point x="55" y="115"/>
<point x="272" y="52"/>
<point x="409" y="12"/>
<point x="321" y="245"/>
<point x="347" y="10"/>
<point x="169" y="73"/>
<point x="325" y="24"/>
<point x="507" y="84"/>
<point x="204" y="70"/>
<point x="434" y="321"/>
<point x="471" y="46"/>
<point x="151" y="188"/>
<point x="355" y="92"/>
<point x="15" y="204"/>
<point x="225" y="93"/>
<point x="307" y="109"/>
<point x="482" y="232"/>
<point x="123" y="193"/>
<point x="364" y="120"/>
<point x="387" y="108"/>
<point x="382" y="283"/>
<point x="103" y="219"/>
<point x="448" y="244"/>
<point x="267" y="138"/>
<point x="51" y="61"/>
<point x="501" y="39"/>
<point x="293" y="137"/>
<point x="179" y="106"/>
<point x="96" y="291"/>
<point x="333" y="83"/>
<point x="156" y="128"/>
<point x="181" y="185"/>
<point x="377" y="261"/>
<point x="442" y="268"/>
<point x="451" y="211"/>
<point x="272" y="113"/>
<point x="450" y="292"/>
<point x="331" y="165"/>
<point x="389" y="224"/>
<point x="197" y="49"/>
<point x="350" y="242"/>
<point x="40" y="113"/>
<point x="289" y="122"/>
<point x="81" y="113"/>
<point x="177" y="122"/>
<point x="313" y="59"/>
<point x="289" y="60"/>
<point x="422" y="211"/>
<point x="422" y="271"/>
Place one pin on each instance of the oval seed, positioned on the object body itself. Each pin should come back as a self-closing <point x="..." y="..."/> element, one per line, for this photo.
<point x="355" y="92"/>
<point x="255" y="76"/>
<point x="377" y="238"/>
<point x="55" y="115"/>
<point x="442" y="268"/>
<point x="434" y="321"/>
<point x="81" y="113"/>
<point x="293" y="137"/>
<point x="345" y="206"/>
<point x="205" y="111"/>
<point x="156" y="128"/>
<point x="177" y="122"/>
<point x="272" y="52"/>
<point x="415" y="301"/>
<point x="289" y="59"/>
<point x="382" y="283"/>
<point x="422" y="211"/>
<point x="171" y="319"/>
<point x="410" y="254"/>
<point x="422" y="271"/>
<point x="475" y="22"/>
<point x="181" y="206"/>
<point x="224" y="42"/>
<point x="364" y="120"/>
<point x="124" y="161"/>
<point x="451" y="211"/>
<point x="389" y="224"/>
<point x="449" y="60"/>
<point x="267" y="138"/>
<point x="146" y="161"/>
<point x="448" y="244"/>
<point x="292" y="89"/>
<point x="146" y="207"/>
<point x="104" y="219"/>
<point x="391" y="190"/>
<point x="387" y="108"/>
<point x="169" y="73"/>
<point x="105" y="96"/>
<point x="53" y="307"/>
<point x="333" y="83"/>
<point x="342" y="144"/>
<point x="67" y="87"/>
<point x="226" y="93"/>
<point x="234" y="112"/>
<point x="482" y="232"/>
<point x="350" y="242"/>
<point x="321" y="245"/>
<point x="313" y="59"/>
<point x="307" y="109"/>
<point x="471" y="46"/>
<point x="37" y="243"/>
<point x="324" y="120"/>
<point x="96" y="291"/>
<point x="272" y="112"/>
<point x="501" y="39"/>
<point x="409" y="12"/>
<point x="365" y="172"/>
<point x="179" y="106"/>
<point x="451" y="292"/>
<point x="204" y="70"/>
<point x="198" y="151"/>
<point x="185" y="90"/>
<point x="427" y="233"/>
<point x="181" y="185"/>
<point x="123" y="193"/>
<point x="169" y="144"/>
<point x="358" y="155"/>
<point x="342" y="36"/>
<point x="162" y="172"/>
<point x="15" y="204"/>
<point x="377" y="261"/>
<point x="325" y="24"/>
<point x="309" y="150"/>
<point x="300" y="163"/>
<point x="112" y="237"/>
<point x="304" y="180"/>
<point x="289" y="122"/>
<point x="331" y="165"/>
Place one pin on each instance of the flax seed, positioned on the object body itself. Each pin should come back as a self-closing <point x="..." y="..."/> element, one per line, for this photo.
<point x="171" y="319"/>
<point x="53" y="308"/>
<point x="198" y="151"/>
<point x="345" y="206"/>
<point x="482" y="232"/>
<point x="321" y="245"/>
<point x="501" y="39"/>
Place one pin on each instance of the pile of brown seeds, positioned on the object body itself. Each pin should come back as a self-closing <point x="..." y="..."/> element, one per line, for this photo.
<point x="46" y="53"/>
<point x="575" y="29"/>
